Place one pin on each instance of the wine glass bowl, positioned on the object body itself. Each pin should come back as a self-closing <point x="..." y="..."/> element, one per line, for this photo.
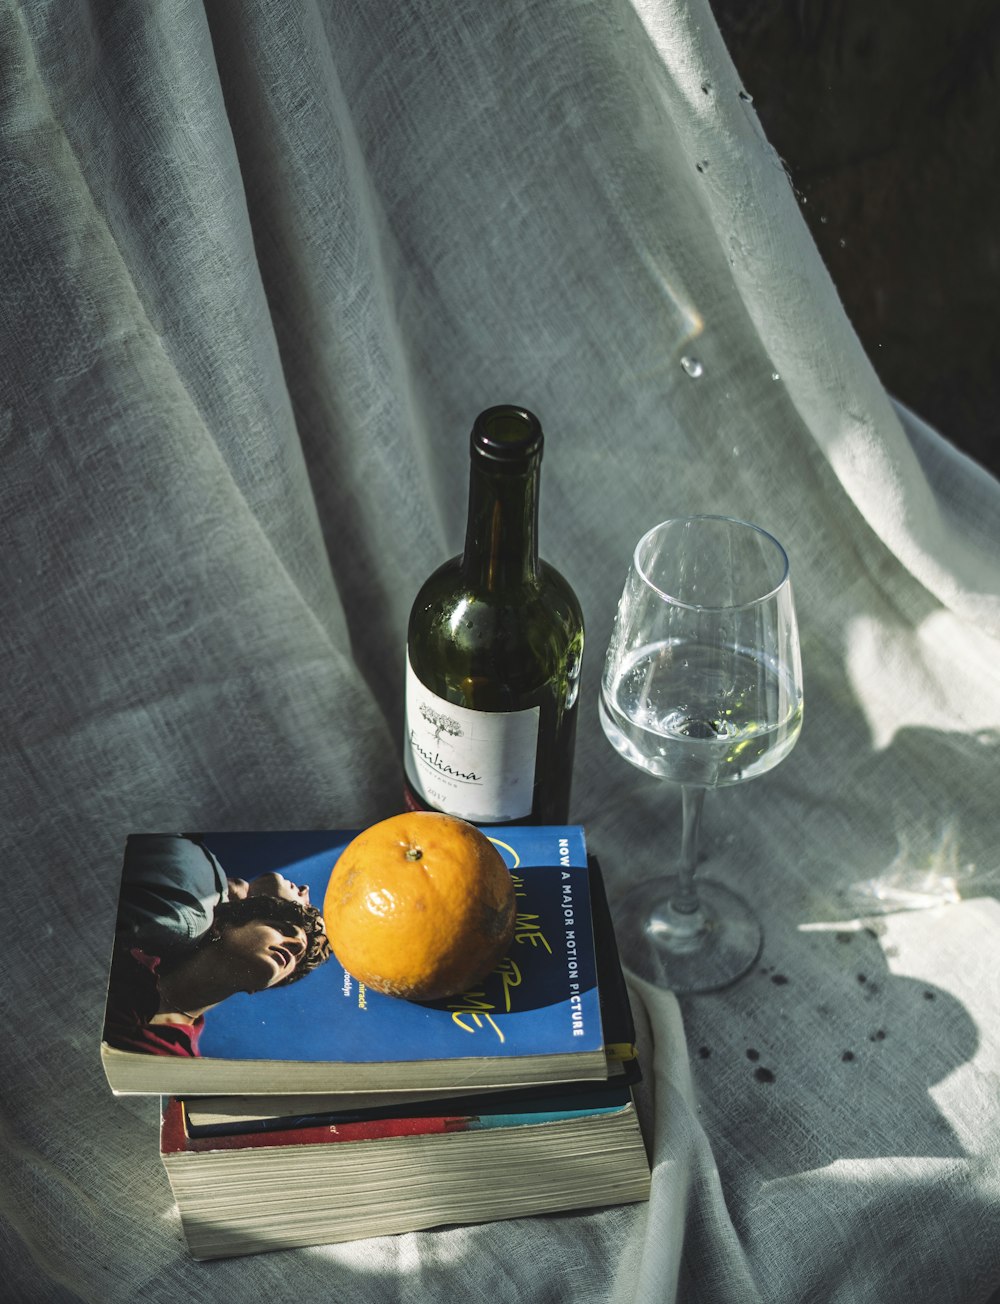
<point x="702" y="686"/>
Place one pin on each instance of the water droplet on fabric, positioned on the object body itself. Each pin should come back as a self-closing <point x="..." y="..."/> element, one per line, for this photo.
<point x="842" y="242"/>
<point x="775" y="375"/>
<point x="745" y="95"/>
<point x="706" y="86"/>
<point x="692" y="366"/>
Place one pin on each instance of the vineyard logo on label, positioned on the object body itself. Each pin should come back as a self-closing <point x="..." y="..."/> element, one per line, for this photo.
<point x="440" y="722"/>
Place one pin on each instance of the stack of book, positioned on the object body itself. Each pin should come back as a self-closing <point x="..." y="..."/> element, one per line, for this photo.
<point x="322" y="1111"/>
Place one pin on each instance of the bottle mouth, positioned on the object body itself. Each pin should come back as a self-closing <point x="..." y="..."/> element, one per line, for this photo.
<point x="507" y="434"/>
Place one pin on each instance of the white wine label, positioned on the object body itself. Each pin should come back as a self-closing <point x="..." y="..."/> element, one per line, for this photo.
<point x="479" y="765"/>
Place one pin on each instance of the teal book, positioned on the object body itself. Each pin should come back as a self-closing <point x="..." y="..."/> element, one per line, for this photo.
<point x="521" y="1107"/>
<point x="536" y="1019"/>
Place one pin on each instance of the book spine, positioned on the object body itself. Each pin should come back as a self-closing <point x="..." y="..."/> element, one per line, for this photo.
<point x="174" y="1136"/>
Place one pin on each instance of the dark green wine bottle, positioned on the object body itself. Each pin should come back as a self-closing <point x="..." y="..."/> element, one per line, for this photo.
<point x="494" y="646"/>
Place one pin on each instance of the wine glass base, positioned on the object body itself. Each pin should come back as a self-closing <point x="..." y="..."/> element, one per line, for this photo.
<point x="702" y="952"/>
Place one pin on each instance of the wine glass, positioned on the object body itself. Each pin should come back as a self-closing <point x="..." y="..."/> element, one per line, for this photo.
<point x="702" y="686"/>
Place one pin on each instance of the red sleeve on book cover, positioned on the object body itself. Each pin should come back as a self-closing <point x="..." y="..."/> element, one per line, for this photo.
<point x="133" y="1001"/>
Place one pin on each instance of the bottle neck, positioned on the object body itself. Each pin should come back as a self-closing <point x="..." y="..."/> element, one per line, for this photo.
<point x="501" y="539"/>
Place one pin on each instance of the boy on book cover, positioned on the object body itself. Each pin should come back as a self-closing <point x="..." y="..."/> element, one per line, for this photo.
<point x="188" y="937"/>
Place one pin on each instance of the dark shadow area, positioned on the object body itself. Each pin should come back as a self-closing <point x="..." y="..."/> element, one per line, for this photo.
<point x="885" y="118"/>
<point x="858" y="1047"/>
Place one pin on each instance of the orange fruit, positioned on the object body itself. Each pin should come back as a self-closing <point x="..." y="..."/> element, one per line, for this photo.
<point x="420" y="905"/>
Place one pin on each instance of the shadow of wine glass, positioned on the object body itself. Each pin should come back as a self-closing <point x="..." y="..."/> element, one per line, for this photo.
<point x="830" y="1057"/>
<point x="822" y="1053"/>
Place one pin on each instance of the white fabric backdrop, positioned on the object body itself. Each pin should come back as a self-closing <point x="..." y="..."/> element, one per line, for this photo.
<point x="260" y="265"/>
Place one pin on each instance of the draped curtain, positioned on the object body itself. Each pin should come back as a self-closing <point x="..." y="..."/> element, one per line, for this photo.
<point x="261" y="264"/>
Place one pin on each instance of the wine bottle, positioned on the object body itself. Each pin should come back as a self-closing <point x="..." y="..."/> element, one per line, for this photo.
<point x="494" y="647"/>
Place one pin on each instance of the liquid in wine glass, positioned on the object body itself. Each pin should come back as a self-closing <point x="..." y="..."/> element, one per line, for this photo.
<point x="691" y="713"/>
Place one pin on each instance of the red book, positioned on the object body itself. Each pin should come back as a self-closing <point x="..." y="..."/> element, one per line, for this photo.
<point x="175" y="1138"/>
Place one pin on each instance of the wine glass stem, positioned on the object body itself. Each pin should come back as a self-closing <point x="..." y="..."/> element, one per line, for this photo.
<point x="685" y="902"/>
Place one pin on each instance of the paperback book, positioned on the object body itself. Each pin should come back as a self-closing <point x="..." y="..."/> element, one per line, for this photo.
<point x="344" y="1177"/>
<point x="537" y="1019"/>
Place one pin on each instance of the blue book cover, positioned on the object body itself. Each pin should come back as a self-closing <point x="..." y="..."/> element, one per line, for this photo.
<point x="535" y="1018"/>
